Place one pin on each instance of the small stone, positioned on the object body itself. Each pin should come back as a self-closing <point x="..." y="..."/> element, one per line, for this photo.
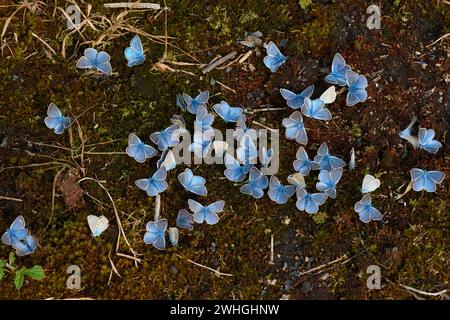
<point x="306" y="287"/>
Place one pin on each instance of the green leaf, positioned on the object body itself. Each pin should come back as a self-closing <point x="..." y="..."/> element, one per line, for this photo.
<point x="2" y="263"/>
<point x="18" y="280"/>
<point x="36" y="273"/>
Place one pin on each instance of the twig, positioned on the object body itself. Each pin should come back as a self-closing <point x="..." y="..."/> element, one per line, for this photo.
<point x="45" y="43"/>
<point x="271" y="250"/>
<point x="216" y="272"/>
<point x="55" y="180"/>
<point x="11" y="199"/>
<point x="225" y="86"/>
<point x="432" y="294"/>
<point x="133" y="5"/>
<point x="264" y="126"/>
<point x="440" y="39"/>
<point x="157" y="207"/>
<point x="104" y="153"/>
<point x="323" y="266"/>
<point x="218" y="62"/>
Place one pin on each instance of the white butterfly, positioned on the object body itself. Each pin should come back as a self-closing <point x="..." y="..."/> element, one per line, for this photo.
<point x="167" y="160"/>
<point x="97" y="224"/>
<point x="297" y="179"/>
<point x="406" y="134"/>
<point x="329" y="95"/>
<point x="370" y="184"/>
<point x="352" y="163"/>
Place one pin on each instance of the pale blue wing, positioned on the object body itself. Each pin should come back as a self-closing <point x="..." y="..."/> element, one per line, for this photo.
<point x="419" y="184"/>
<point x="262" y="182"/>
<point x="155" y="137"/>
<point x="416" y="173"/>
<point x="429" y="184"/>
<point x="104" y="68"/>
<point x="354" y="97"/>
<point x="160" y="174"/>
<point x="26" y="247"/>
<point x="336" y="162"/>
<point x="18" y="223"/>
<point x="274" y="183"/>
<point x="361" y="83"/>
<point x="185" y="219"/>
<point x="180" y="102"/>
<point x="53" y="111"/>
<point x="142" y="184"/>
<point x="200" y="216"/>
<point x="321" y="186"/>
<point x="136" y="152"/>
<point x="336" y="175"/>
<point x="199" y="189"/>
<point x="159" y="185"/>
<point x="273" y="63"/>
<point x="432" y="146"/>
<point x="149" y="151"/>
<point x="374" y="214"/>
<point x="364" y="215"/>
<point x="211" y="217"/>
<point x="59" y="128"/>
<point x="301" y="154"/>
<point x="52" y="122"/>
<point x="235" y="174"/>
<point x="293" y="100"/>
<point x="194" y="206"/>
<point x="152" y="189"/>
<point x="436" y="176"/>
<point x="202" y="98"/>
<point x="301" y="203"/>
<point x="289" y="190"/>
<point x="319" y="198"/>
<point x="278" y="196"/>
<point x="160" y="243"/>
<point x="331" y="192"/>
<point x="288" y="94"/>
<point x="216" y="206"/>
<point x="88" y="60"/>
<point x="338" y="63"/>
<point x="323" y="114"/>
<point x="323" y="150"/>
<point x="272" y="49"/>
<point x="352" y="78"/>
<point x="311" y="207"/>
<point x="6" y="238"/>
<point x="173" y="236"/>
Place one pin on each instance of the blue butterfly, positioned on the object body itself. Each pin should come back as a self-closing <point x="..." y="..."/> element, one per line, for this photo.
<point x="327" y="161"/>
<point x="242" y="129"/>
<point x="328" y="181"/>
<point x="201" y="145"/>
<point x="155" y="184"/>
<point x="303" y="164"/>
<point x="181" y="102"/>
<point x="279" y="193"/>
<point x="256" y="184"/>
<point x="167" y="138"/>
<point x="191" y="183"/>
<point x="55" y="120"/>
<point x="316" y="109"/>
<point x="185" y="219"/>
<point x="192" y="104"/>
<point x="309" y="202"/>
<point x="16" y="232"/>
<point x="97" y="60"/>
<point x="247" y="152"/>
<point x="266" y="156"/>
<point x="25" y="247"/>
<point x="427" y="141"/>
<point x="235" y="171"/>
<point x="426" y="180"/>
<point x="274" y="58"/>
<point x="338" y="70"/>
<point x="139" y="150"/>
<point x="296" y="101"/>
<point x="155" y="233"/>
<point x="135" y="52"/>
<point x="203" y="121"/>
<point x="227" y="113"/>
<point x="356" y="88"/>
<point x="208" y="214"/>
<point x="295" y="129"/>
<point x="366" y="211"/>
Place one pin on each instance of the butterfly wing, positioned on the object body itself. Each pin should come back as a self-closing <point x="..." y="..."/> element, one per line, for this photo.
<point x="185" y="219"/>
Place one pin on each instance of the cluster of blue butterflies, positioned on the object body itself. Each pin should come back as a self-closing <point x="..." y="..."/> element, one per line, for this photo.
<point x="18" y="237"/>
<point x="329" y="166"/>
<point x="100" y="61"/>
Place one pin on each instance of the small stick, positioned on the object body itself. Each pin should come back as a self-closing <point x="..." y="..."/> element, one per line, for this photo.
<point x="133" y="5"/>
<point x="218" y="273"/>
<point x="220" y="61"/>
<point x="440" y="38"/>
<point x="264" y="126"/>
<point x="271" y="250"/>
<point x="225" y="86"/>
<point x="157" y="207"/>
<point x="104" y="153"/>
<point x="245" y="56"/>
<point x="322" y="266"/>
<point x="266" y="109"/>
<point x="11" y="199"/>
<point x="432" y="294"/>
<point x="45" y="43"/>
